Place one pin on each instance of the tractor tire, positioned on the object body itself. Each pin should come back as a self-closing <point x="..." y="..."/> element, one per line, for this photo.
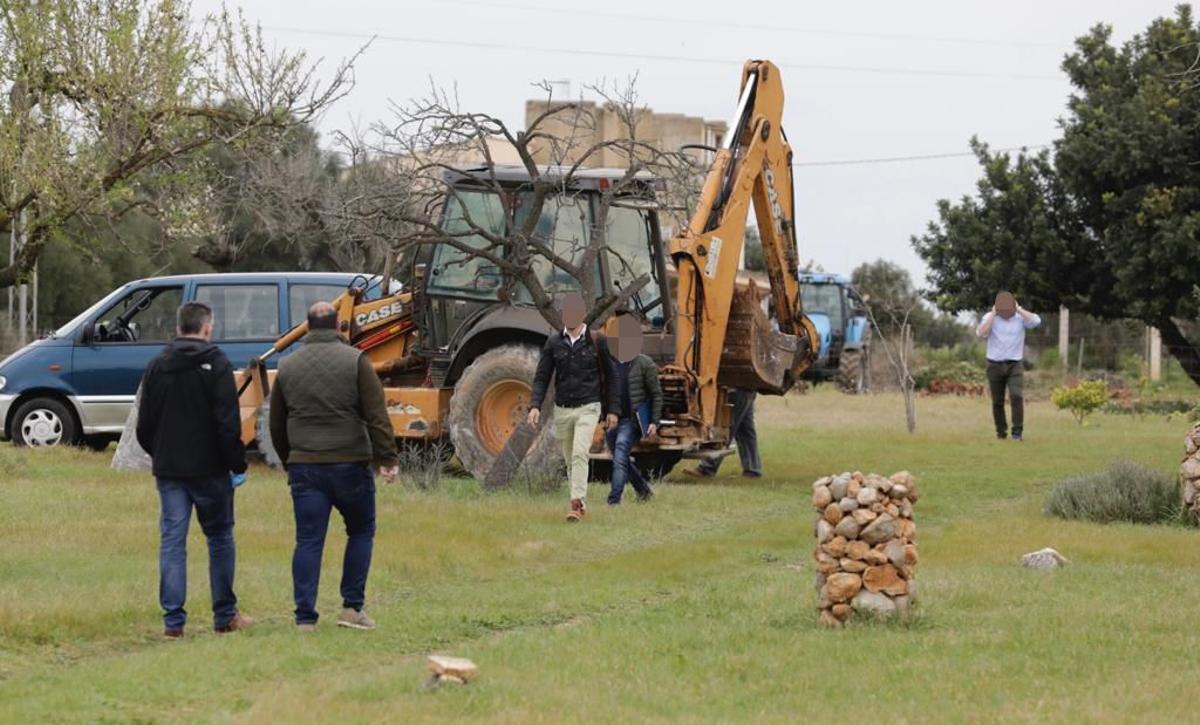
<point x="854" y="375"/>
<point x="490" y="400"/>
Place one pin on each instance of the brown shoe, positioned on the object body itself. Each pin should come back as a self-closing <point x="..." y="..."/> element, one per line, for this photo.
<point x="696" y="473"/>
<point x="239" y="623"/>
<point x="173" y="634"/>
<point x="577" y="512"/>
<point x="306" y="628"/>
<point x="355" y="619"/>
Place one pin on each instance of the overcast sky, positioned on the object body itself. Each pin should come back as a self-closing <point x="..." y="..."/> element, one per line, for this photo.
<point x="863" y="80"/>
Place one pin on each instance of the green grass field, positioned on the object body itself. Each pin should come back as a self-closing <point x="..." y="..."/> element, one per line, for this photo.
<point x="696" y="607"/>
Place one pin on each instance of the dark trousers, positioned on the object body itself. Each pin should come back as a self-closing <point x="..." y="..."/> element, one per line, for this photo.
<point x="744" y="434"/>
<point x="621" y="441"/>
<point x="213" y="500"/>
<point x="1010" y="375"/>
<point x="316" y="489"/>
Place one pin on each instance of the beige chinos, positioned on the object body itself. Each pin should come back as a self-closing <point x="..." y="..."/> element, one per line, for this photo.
<point x="574" y="428"/>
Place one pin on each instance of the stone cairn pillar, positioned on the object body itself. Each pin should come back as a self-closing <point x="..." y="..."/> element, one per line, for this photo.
<point x="866" y="544"/>
<point x="1189" y="474"/>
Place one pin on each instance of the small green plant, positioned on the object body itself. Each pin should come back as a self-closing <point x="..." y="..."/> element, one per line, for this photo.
<point x="1125" y="491"/>
<point x="1082" y="399"/>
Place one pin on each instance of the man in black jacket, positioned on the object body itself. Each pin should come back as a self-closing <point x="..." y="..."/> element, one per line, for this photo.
<point x="576" y="360"/>
<point x="188" y="422"/>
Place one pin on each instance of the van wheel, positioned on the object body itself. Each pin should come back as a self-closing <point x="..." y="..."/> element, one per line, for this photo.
<point x="490" y="400"/>
<point x="44" y="423"/>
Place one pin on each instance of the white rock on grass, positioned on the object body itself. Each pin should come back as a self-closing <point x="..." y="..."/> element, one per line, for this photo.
<point x="1044" y="559"/>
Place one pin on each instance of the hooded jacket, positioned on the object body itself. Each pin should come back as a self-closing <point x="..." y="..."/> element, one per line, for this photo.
<point x="188" y="419"/>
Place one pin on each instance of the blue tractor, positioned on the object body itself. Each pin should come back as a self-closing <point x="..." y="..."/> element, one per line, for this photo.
<point x="840" y="316"/>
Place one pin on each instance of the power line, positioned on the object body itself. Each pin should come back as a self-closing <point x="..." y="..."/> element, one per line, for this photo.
<point x="574" y="12"/>
<point x="921" y="157"/>
<point x="483" y="45"/>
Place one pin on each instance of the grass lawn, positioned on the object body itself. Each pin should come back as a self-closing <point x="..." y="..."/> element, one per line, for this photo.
<point x="696" y="607"/>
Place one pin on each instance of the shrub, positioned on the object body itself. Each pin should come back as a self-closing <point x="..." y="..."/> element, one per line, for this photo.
<point x="1124" y="492"/>
<point x="953" y="364"/>
<point x="1082" y="399"/>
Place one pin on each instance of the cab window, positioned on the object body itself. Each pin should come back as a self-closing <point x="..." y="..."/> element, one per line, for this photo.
<point x="303" y="296"/>
<point x="826" y="298"/>
<point x="145" y="315"/>
<point x="563" y="227"/>
<point x="454" y="269"/>
<point x="627" y="238"/>
<point x="242" y="312"/>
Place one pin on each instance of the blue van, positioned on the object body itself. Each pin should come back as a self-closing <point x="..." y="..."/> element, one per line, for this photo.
<point x="76" y="386"/>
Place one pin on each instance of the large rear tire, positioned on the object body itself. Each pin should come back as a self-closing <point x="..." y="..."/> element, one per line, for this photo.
<point x="853" y="371"/>
<point x="490" y="400"/>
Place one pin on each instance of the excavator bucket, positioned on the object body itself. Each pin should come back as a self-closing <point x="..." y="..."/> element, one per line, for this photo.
<point x="756" y="356"/>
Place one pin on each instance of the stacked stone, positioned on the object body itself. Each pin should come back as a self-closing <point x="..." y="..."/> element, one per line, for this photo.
<point x="1190" y="474"/>
<point x="866" y="544"/>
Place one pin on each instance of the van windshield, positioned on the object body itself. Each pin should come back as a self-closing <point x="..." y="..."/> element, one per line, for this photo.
<point x="71" y="327"/>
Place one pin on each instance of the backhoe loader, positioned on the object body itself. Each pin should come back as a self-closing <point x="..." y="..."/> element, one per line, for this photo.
<point x="457" y="360"/>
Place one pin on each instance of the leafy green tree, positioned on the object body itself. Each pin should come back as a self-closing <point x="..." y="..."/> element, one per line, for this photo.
<point x="891" y="296"/>
<point x="102" y="95"/>
<point x="1109" y="222"/>
<point x="268" y="205"/>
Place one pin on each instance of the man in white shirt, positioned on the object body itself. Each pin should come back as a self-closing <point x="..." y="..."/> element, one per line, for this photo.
<point x="1004" y="329"/>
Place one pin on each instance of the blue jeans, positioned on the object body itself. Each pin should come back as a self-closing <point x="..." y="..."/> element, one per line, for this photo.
<point x="316" y="489"/>
<point x="744" y="433"/>
<point x="621" y="441"/>
<point x="213" y="501"/>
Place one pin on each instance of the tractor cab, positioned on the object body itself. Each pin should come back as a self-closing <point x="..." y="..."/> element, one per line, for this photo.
<point x="840" y="316"/>
<point x="466" y="295"/>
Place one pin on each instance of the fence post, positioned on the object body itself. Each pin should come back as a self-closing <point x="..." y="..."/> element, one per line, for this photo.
<point x="1155" y="355"/>
<point x="1064" y="341"/>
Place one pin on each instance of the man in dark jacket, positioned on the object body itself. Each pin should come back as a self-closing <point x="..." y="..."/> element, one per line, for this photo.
<point x="638" y="407"/>
<point x="329" y="423"/>
<point x="189" y="424"/>
<point x="575" y="360"/>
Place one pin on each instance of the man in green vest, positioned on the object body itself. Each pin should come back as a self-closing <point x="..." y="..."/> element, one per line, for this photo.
<point x="329" y="424"/>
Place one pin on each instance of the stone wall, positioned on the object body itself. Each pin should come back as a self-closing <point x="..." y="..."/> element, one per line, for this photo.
<point x="1190" y="474"/>
<point x="866" y="544"/>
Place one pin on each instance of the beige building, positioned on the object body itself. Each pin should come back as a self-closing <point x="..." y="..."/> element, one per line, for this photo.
<point x="595" y="123"/>
<point x="580" y="129"/>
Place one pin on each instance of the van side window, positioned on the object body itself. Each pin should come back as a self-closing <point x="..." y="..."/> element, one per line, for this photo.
<point x="303" y="296"/>
<point x="242" y="311"/>
<point x="145" y="315"/>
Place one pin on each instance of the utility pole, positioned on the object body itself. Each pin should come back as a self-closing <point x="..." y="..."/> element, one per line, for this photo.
<point x="1064" y="340"/>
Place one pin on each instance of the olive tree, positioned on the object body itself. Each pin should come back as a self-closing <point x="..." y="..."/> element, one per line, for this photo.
<point x="107" y="104"/>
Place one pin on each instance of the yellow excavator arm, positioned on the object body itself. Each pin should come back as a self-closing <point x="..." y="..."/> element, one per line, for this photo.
<point x="716" y="324"/>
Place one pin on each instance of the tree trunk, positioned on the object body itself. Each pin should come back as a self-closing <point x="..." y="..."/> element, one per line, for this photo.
<point x="1178" y="346"/>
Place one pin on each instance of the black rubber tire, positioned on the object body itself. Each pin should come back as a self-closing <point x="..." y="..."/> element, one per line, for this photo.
<point x="653" y="465"/>
<point x="67" y="427"/>
<point x="853" y="377"/>
<point x="507" y="362"/>
<point x="657" y="464"/>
